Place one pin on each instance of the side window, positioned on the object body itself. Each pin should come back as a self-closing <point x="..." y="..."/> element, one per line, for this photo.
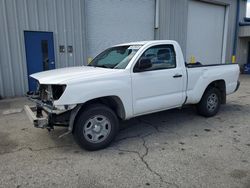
<point x="161" y="57"/>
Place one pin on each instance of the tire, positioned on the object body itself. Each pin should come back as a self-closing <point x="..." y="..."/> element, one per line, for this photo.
<point x="210" y="102"/>
<point x="96" y="127"/>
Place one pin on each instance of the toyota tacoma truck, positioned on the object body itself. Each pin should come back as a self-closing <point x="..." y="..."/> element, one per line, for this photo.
<point x="123" y="82"/>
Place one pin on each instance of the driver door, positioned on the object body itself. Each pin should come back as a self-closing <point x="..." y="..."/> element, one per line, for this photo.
<point x="160" y="86"/>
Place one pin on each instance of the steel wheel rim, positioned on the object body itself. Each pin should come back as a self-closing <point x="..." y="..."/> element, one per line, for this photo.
<point x="212" y="102"/>
<point x="96" y="129"/>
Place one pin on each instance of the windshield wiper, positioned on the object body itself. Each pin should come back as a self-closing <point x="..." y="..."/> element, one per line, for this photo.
<point x="108" y="66"/>
<point x="103" y="66"/>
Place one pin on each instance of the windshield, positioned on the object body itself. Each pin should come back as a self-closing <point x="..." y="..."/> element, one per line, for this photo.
<point x="115" y="57"/>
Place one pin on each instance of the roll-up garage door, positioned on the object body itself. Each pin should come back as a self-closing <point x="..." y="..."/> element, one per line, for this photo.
<point x="205" y="32"/>
<point x="111" y="22"/>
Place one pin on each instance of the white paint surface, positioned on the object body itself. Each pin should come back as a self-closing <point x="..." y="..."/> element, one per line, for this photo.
<point x="143" y="92"/>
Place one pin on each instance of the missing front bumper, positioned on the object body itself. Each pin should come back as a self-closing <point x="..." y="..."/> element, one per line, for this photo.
<point x="39" y="122"/>
<point x="45" y="115"/>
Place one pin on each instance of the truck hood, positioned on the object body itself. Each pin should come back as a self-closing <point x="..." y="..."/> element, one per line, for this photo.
<point x="66" y="75"/>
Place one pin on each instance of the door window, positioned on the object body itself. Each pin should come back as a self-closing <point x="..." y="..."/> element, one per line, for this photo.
<point x="161" y="57"/>
<point x="45" y="54"/>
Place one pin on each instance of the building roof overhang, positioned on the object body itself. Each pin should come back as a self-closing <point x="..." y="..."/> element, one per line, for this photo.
<point x="244" y="30"/>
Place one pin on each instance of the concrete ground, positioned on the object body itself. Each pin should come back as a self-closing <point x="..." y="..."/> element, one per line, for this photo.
<point x="174" y="148"/>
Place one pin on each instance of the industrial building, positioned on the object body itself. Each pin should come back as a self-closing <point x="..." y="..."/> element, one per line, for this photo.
<point x="37" y="35"/>
<point x="243" y="48"/>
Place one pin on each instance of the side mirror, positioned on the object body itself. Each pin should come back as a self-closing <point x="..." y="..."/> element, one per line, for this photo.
<point x="143" y="64"/>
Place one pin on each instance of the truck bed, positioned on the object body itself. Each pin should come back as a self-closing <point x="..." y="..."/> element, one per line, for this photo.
<point x="199" y="76"/>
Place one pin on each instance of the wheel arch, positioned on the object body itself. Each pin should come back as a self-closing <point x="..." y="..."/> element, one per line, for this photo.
<point x="114" y="102"/>
<point x="221" y="86"/>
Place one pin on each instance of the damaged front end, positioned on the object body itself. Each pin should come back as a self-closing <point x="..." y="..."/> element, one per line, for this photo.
<point x="44" y="114"/>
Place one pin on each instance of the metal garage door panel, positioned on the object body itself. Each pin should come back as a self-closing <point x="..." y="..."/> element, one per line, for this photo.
<point x="110" y="22"/>
<point x="205" y="32"/>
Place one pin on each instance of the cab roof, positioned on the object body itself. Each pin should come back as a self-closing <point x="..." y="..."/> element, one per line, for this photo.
<point x="145" y="42"/>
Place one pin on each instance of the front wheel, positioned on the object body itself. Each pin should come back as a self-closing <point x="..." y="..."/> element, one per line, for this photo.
<point x="96" y="127"/>
<point x="210" y="102"/>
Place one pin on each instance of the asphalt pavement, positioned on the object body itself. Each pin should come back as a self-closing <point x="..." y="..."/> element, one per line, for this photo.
<point x="175" y="148"/>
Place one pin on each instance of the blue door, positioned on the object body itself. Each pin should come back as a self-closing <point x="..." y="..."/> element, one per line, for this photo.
<point x="40" y="55"/>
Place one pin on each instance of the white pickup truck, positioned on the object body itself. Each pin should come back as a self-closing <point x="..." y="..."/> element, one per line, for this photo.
<point x="123" y="82"/>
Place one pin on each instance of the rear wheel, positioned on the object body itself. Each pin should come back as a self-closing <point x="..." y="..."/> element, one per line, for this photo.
<point x="96" y="127"/>
<point x="210" y="102"/>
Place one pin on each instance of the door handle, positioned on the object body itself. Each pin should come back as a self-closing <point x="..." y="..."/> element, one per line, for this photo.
<point x="177" y="75"/>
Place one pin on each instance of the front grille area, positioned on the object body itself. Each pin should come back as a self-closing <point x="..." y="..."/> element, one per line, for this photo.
<point x="57" y="91"/>
<point x="51" y="92"/>
<point x="43" y="92"/>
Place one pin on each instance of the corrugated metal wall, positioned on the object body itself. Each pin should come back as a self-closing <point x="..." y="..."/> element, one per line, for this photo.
<point x="242" y="50"/>
<point x="243" y="40"/>
<point x="65" y="18"/>
<point x="173" y="21"/>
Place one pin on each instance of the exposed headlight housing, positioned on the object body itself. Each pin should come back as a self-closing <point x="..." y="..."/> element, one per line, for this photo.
<point x="51" y="92"/>
<point x="57" y="91"/>
<point x="37" y="85"/>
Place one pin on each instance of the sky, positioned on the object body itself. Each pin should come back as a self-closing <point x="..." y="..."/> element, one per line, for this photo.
<point x="248" y="8"/>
